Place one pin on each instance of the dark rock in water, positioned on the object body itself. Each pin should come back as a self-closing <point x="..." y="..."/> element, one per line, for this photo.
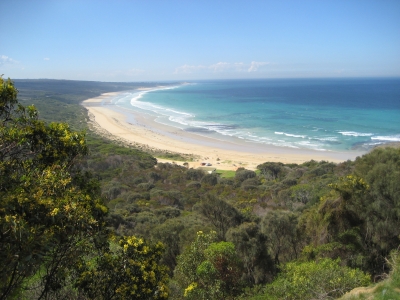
<point x="365" y="145"/>
<point x="210" y="128"/>
<point x="220" y="126"/>
<point x="198" y="130"/>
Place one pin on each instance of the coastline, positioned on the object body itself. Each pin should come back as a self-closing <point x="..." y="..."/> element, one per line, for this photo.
<point x="144" y="131"/>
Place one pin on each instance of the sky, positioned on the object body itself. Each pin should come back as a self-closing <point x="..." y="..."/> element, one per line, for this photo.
<point x="170" y="40"/>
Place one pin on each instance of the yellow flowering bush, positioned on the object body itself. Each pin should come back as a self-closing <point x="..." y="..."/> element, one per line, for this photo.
<point x="48" y="213"/>
<point x="190" y="289"/>
<point x="129" y="271"/>
<point x="350" y="186"/>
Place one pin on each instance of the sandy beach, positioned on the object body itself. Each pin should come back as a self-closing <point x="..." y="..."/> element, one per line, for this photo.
<point x="141" y="129"/>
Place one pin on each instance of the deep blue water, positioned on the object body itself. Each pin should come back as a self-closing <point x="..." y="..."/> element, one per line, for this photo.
<point x="321" y="114"/>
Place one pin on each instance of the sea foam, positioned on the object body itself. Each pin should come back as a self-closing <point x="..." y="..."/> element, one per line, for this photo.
<point x="390" y="138"/>
<point x="290" y="135"/>
<point x="353" y="133"/>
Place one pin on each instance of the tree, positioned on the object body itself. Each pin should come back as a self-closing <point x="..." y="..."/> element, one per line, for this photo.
<point x="220" y="214"/>
<point x="359" y="217"/>
<point x="47" y="210"/>
<point x="191" y="258"/>
<point x="379" y="206"/>
<point x="129" y="271"/>
<point x="284" y="239"/>
<point x="194" y="174"/>
<point x="332" y="227"/>
<point x="220" y="274"/>
<point x="251" y="246"/>
<point x="169" y="234"/>
<point x="209" y="270"/>
<point x="271" y="170"/>
<point x="210" y="179"/>
<point x="243" y="174"/>
<point x="52" y="218"/>
<point x="302" y="193"/>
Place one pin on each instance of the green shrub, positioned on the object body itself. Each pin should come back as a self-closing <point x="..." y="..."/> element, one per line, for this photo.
<point x="243" y="174"/>
<point x="324" y="279"/>
<point x="194" y="184"/>
<point x="210" y="179"/>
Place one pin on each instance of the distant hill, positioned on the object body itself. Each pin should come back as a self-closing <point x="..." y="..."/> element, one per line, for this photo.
<point x="80" y="89"/>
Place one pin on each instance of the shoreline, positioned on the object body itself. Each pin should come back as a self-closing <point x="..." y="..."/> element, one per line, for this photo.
<point x="108" y="119"/>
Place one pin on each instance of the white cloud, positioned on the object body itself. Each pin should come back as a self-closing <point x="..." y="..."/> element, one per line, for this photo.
<point x="254" y="66"/>
<point x="46" y="58"/>
<point x="6" y="60"/>
<point x="221" y="67"/>
<point x="185" y="69"/>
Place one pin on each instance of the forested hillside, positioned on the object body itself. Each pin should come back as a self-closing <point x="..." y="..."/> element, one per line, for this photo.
<point x="84" y="218"/>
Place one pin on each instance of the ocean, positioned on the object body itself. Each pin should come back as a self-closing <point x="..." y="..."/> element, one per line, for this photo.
<point x="317" y="114"/>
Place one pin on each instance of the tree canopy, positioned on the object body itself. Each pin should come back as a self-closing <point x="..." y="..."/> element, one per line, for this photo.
<point x="51" y="214"/>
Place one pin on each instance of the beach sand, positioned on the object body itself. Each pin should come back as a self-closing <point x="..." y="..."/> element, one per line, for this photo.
<point x="142" y="130"/>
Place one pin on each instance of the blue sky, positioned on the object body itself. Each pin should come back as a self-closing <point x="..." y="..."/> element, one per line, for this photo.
<point x="189" y="40"/>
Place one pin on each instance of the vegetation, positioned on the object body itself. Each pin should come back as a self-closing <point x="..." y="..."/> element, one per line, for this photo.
<point x="52" y="218"/>
<point x="323" y="279"/>
<point x="389" y="288"/>
<point x="209" y="269"/>
<point x="83" y="217"/>
<point x="130" y="270"/>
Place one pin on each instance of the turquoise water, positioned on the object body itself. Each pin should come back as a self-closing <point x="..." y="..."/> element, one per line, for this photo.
<point x="318" y="114"/>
